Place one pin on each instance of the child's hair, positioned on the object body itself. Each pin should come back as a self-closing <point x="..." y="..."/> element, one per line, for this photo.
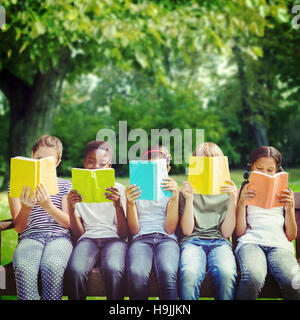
<point x="208" y="149"/>
<point x="98" y="144"/>
<point x="158" y="151"/>
<point x="262" y="152"/>
<point x="50" y="142"/>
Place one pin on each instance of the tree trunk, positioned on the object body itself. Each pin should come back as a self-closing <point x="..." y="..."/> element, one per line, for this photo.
<point x="257" y="129"/>
<point x="32" y="108"/>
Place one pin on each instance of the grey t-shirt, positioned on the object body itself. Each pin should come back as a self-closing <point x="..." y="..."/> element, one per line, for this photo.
<point x="209" y="213"/>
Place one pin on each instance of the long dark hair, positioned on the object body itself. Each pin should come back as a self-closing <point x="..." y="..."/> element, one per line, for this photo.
<point x="261" y="152"/>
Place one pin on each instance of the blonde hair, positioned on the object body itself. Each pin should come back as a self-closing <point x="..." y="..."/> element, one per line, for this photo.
<point x="208" y="149"/>
<point x="50" y="142"/>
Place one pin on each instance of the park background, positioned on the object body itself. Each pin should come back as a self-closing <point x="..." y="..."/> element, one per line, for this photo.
<point x="71" y="68"/>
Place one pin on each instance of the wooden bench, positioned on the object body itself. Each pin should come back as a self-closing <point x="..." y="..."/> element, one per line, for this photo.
<point x="95" y="285"/>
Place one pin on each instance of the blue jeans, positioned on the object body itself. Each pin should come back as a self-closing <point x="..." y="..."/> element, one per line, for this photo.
<point x="45" y="253"/>
<point x="255" y="260"/>
<point x="217" y="255"/>
<point x="157" y="251"/>
<point x="112" y="253"/>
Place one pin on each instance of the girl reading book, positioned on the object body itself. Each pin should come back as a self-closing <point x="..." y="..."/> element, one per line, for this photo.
<point x="154" y="245"/>
<point x="206" y="222"/>
<point x="265" y="235"/>
<point x="44" y="243"/>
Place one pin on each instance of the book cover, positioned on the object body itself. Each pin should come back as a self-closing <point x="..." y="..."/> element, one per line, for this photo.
<point x="208" y="174"/>
<point x="148" y="175"/>
<point x="31" y="172"/>
<point x="91" y="184"/>
<point x="267" y="188"/>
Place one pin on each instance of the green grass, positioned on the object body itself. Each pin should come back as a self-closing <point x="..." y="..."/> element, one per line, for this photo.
<point x="9" y="237"/>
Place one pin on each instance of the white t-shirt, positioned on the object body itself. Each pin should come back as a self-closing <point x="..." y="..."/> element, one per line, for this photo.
<point x="265" y="227"/>
<point x="152" y="216"/>
<point x="100" y="219"/>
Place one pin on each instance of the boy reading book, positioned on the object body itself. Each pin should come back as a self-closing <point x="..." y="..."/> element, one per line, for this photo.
<point x="44" y="242"/>
<point x="267" y="188"/>
<point x="101" y="228"/>
<point x="32" y="172"/>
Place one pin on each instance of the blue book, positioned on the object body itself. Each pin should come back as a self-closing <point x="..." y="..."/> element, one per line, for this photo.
<point x="148" y="175"/>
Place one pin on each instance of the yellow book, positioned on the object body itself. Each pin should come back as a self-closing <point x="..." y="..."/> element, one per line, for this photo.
<point x="31" y="172"/>
<point x="208" y="174"/>
<point x="91" y="184"/>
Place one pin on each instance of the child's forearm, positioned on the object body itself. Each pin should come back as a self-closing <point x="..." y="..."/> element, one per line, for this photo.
<point x="132" y="217"/>
<point x="290" y="224"/>
<point x="75" y="223"/>
<point x="187" y="221"/>
<point x="241" y="222"/>
<point x="21" y="221"/>
<point x="58" y="215"/>
<point x="229" y="222"/>
<point x="122" y="227"/>
<point x="172" y="214"/>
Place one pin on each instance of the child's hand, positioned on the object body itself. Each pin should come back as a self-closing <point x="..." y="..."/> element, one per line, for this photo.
<point x="27" y="202"/>
<point x="286" y="197"/>
<point x="231" y="190"/>
<point x="132" y="193"/>
<point x="42" y="197"/>
<point x="246" y="194"/>
<point x="73" y="197"/>
<point x="169" y="184"/>
<point x="113" y="195"/>
<point x="187" y="190"/>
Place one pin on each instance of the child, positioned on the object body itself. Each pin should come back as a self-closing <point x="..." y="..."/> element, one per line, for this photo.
<point x="101" y="229"/>
<point x="154" y="244"/>
<point x="44" y="242"/>
<point x="265" y="235"/>
<point x="207" y="221"/>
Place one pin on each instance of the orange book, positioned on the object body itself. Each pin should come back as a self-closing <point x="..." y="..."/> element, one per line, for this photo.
<point x="267" y="188"/>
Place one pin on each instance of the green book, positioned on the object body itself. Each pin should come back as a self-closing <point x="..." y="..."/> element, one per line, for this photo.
<point x="91" y="184"/>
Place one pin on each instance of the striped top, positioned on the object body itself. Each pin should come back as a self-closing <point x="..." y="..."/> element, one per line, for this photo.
<point x="40" y="221"/>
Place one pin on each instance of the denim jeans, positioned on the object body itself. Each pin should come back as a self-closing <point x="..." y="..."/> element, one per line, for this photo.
<point x="217" y="257"/>
<point x="157" y="251"/>
<point x="46" y="253"/>
<point x="254" y="261"/>
<point x="112" y="253"/>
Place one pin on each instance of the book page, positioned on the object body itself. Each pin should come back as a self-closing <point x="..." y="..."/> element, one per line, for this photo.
<point x="199" y="174"/>
<point x="162" y="173"/>
<point x="141" y="174"/>
<point x="47" y="174"/>
<point x="82" y="182"/>
<point x="23" y="172"/>
<point x="102" y="178"/>
<point x="280" y="184"/>
<point x="220" y="173"/>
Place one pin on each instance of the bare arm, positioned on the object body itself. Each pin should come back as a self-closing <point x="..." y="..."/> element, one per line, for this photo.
<point x="241" y="219"/>
<point x="228" y="225"/>
<point x="132" y="193"/>
<point x="187" y="221"/>
<point x="173" y="205"/>
<point x="44" y="201"/>
<point x="115" y="196"/>
<point x="75" y="222"/>
<point x="20" y="209"/>
<point x="286" y="197"/>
